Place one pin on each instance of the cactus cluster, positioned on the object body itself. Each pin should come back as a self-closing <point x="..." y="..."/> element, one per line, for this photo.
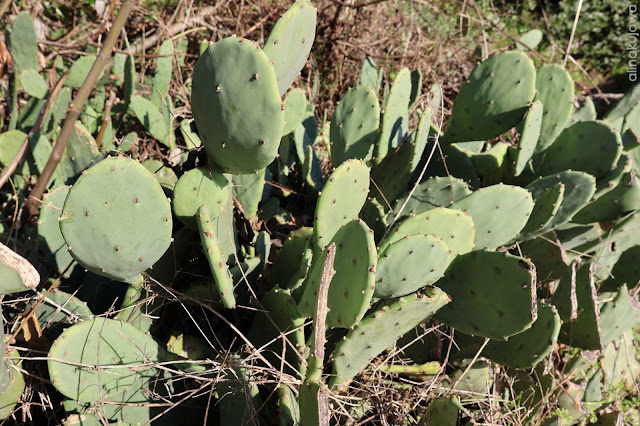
<point x="521" y="239"/>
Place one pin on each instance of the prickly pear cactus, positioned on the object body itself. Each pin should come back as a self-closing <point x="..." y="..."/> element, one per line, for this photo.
<point x="237" y="106"/>
<point x="116" y="219"/>
<point x="494" y="99"/>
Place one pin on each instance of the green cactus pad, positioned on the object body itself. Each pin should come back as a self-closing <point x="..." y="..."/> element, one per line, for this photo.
<point x="494" y="99"/>
<point x="454" y="226"/>
<point x="81" y="153"/>
<point x="352" y="285"/>
<point x="431" y="193"/>
<point x="10" y="144"/>
<point x="380" y="329"/>
<point x="493" y="294"/>
<point x="442" y="411"/>
<point x="421" y="137"/>
<point x="49" y="228"/>
<point x="529" y="40"/>
<point x="591" y="146"/>
<point x="528" y="348"/>
<point x="341" y="200"/>
<point x="116" y="219"/>
<point x="584" y="331"/>
<point x="151" y="118"/>
<point x="248" y="189"/>
<point x="165" y="174"/>
<point x="489" y="161"/>
<point x="586" y="112"/>
<point x="295" y="106"/>
<point x="16" y="273"/>
<point x="499" y="213"/>
<point x="237" y="106"/>
<point x="622" y="199"/>
<point x="24" y="43"/>
<point x="544" y="210"/>
<point x="528" y="137"/>
<point x="211" y="248"/>
<point x="620" y="364"/>
<point x="578" y="190"/>
<point x="624" y="105"/>
<point x="11" y="384"/>
<point x="197" y="187"/>
<point x="283" y="310"/>
<point x="107" y="346"/>
<point x="555" y="91"/>
<point x="354" y="126"/>
<point x="395" y="116"/>
<point x="61" y="307"/>
<point x="287" y="260"/>
<point x="547" y="256"/>
<point x="410" y="264"/>
<point x="288" y="408"/>
<point x="625" y="271"/>
<point x="458" y="164"/>
<point x="290" y="42"/>
<point x="618" y="315"/>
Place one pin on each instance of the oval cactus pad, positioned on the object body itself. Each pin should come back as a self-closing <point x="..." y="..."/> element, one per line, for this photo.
<point x="499" y="213"/>
<point x="195" y="188"/>
<point x="411" y="263"/>
<point x="341" y="200"/>
<point x="494" y="99"/>
<point x="237" y="106"/>
<point x="353" y="284"/>
<point x="107" y="346"/>
<point x="493" y="294"/>
<point x="290" y="42"/>
<point x="116" y="219"/>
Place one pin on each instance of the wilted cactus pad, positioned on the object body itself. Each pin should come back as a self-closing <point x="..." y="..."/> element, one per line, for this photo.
<point x="116" y="219"/>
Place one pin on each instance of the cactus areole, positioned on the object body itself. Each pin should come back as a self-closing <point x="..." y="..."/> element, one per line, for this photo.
<point x="237" y="106"/>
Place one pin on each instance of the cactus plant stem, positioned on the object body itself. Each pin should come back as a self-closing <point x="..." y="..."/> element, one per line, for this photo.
<point x="31" y="206"/>
<point x="22" y="154"/>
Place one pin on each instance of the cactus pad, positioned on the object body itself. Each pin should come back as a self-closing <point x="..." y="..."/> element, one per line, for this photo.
<point x="589" y="146"/>
<point x="295" y="106"/>
<point x="555" y="91"/>
<point x="197" y="187"/>
<point x="409" y="264"/>
<point x="341" y="200"/>
<point x="395" y="117"/>
<point x="353" y="284"/>
<point x="528" y="348"/>
<point x="578" y="190"/>
<point x="354" y="126"/>
<point x="618" y="315"/>
<point x="433" y="192"/>
<point x="211" y="248"/>
<point x="380" y="329"/>
<point x="108" y="346"/>
<point x="290" y="42"/>
<point x="116" y="219"/>
<point x="49" y="228"/>
<point x="237" y="106"/>
<point x="248" y="189"/>
<point x="499" y="212"/>
<point x="494" y="99"/>
<point x="528" y="137"/>
<point x="454" y="226"/>
<point x="493" y="294"/>
<point x="544" y="210"/>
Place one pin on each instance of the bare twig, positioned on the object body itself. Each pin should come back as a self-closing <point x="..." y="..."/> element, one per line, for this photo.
<point x="76" y="107"/>
<point x="573" y="32"/>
